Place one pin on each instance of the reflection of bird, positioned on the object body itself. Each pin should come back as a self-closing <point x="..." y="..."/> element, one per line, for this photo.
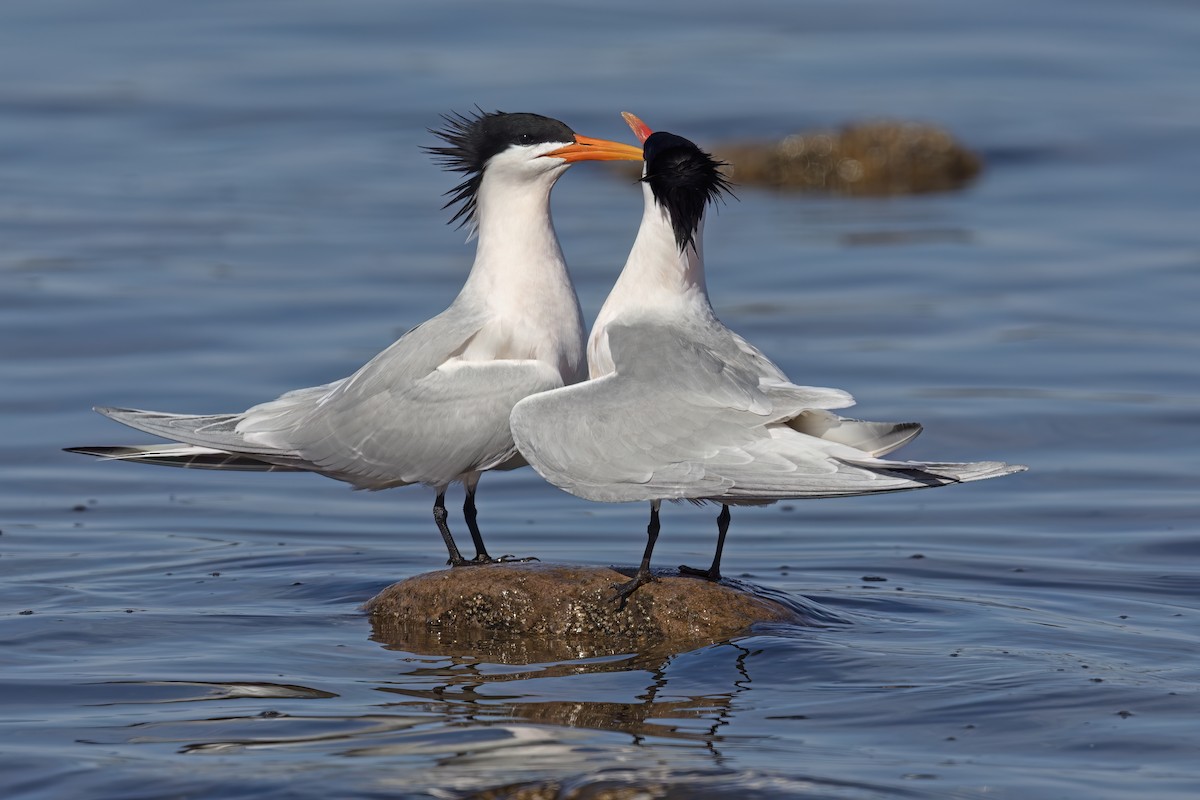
<point x="682" y="408"/>
<point x="433" y="407"/>
<point x="463" y="692"/>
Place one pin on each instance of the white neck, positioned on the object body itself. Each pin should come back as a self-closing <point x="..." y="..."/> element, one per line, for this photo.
<point x="519" y="279"/>
<point x="658" y="279"/>
<point x="517" y="247"/>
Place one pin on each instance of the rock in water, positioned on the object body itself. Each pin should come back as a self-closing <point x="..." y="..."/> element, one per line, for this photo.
<point x="524" y="613"/>
<point x="869" y="158"/>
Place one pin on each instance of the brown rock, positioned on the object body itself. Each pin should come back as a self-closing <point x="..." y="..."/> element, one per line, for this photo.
<point x="526" y="613"/>
<point x="871" y="158"/>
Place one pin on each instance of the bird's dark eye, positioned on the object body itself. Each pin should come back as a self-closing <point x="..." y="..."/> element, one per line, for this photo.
<point x="526" y="138"/>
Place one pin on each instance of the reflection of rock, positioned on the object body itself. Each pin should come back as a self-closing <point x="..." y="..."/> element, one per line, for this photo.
<point x="462" y="691"/>
<point x="560" y="790"/>
<point x="872" y="158"/>
<point x="665" y="783"/>
<point x="525" y="613"/>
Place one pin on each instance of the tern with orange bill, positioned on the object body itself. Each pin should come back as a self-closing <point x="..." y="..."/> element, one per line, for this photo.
<point x="679" y="407"/>
<point x="433" y="408"/>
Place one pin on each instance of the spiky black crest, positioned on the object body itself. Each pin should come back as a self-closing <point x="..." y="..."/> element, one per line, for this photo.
<point x="472" y="140"/>
<point x="684" y="179"/>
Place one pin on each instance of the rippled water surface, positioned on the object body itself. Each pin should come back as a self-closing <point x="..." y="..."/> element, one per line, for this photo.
<point x="204" y="205"/>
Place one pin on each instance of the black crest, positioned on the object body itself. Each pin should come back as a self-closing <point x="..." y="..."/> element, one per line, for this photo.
<point x="684" y="179"/>
<point x="472" y="140"/>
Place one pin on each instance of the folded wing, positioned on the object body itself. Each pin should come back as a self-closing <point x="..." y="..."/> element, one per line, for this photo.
<point x="417" y="413"/>
<point x="688" y="414"/>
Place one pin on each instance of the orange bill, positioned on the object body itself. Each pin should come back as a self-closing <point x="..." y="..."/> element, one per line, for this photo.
<point x="640" y="129"/>
<point x="586" y="148"/>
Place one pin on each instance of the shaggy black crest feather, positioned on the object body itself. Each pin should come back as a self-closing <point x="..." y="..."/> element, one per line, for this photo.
<point x="684" y="179"/>
<point x="472" y="140"/>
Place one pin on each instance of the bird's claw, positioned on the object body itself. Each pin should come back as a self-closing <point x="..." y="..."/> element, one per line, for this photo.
<point x="477" y="561"/>
<point x="626" y="590"/>
<point x="483" y="558"/>
<point x="511" y="559"/>
<point x="707" y="574"/>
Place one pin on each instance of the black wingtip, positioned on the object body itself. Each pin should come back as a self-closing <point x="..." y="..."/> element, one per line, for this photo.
<point x="98" y="451"/>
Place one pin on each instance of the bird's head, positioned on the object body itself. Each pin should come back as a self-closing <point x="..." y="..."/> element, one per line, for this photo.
<point x="521" y="147"/>
<point x="683" y="179"/>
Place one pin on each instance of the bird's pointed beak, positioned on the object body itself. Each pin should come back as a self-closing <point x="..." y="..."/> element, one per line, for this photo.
<point x="640" y="129"/>
<point x="586" y="148"/>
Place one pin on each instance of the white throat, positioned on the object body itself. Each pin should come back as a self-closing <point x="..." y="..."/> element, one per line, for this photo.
<point x="519" y="280"/>
<point x="658" y="280"/>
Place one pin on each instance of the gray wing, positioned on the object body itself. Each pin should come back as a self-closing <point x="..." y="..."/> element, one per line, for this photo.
<point x="417" y="412"/>
<point x="432" y="430"/>
<point x="684" y="416"/>
<point x="803" y="407"/>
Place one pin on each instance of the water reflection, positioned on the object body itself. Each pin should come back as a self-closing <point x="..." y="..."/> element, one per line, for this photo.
<point x="462" y="707"/>
<point x="221" y="690"/>
<point x="456" y="723"/>
<point x="268" y="729"/>
<point x="471" y="692"/>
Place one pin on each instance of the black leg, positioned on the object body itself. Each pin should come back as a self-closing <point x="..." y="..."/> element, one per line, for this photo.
<point x="439" y="516"/>
<point x="470" y="514"/>
<point x="642" y="576"/>
<point x="481" y="553"/>
<point x="713" y="573"/>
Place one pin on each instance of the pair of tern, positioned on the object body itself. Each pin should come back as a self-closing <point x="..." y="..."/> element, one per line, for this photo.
<point x="661" y="402"/>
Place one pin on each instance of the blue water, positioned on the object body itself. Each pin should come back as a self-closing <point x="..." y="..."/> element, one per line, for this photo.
<point x="204" y="205"/>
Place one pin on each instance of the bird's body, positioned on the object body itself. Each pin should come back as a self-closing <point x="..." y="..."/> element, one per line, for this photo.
<point x="433" y="407"/>
<point x="679" y="407"/>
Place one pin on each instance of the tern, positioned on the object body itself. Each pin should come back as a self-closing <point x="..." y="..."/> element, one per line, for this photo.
<point x="679" y="407"/>
<point x="433" y="408"/>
